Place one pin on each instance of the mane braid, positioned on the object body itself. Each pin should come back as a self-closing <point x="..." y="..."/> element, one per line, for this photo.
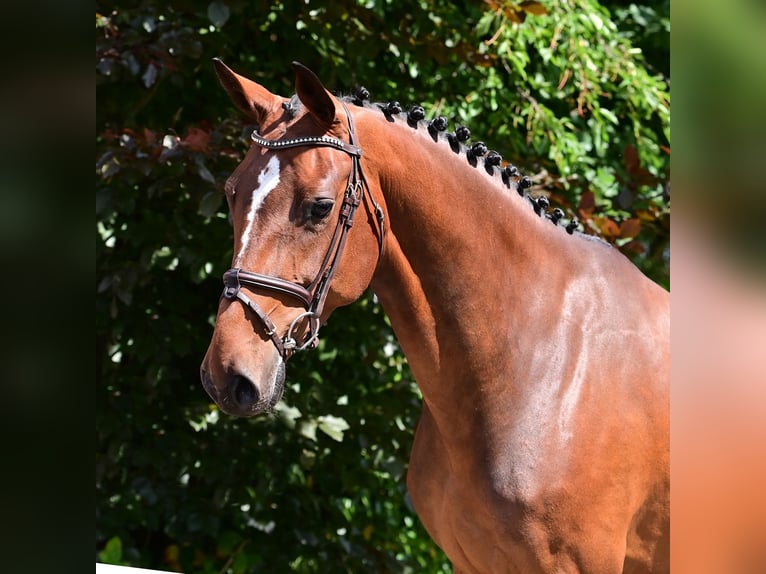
<point x="492" y="161"/>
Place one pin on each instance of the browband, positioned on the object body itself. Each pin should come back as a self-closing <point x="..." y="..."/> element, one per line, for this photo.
<point x="307" y="141"/>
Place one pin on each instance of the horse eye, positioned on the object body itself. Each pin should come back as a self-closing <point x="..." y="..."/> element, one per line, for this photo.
<point x="321" y="208"/>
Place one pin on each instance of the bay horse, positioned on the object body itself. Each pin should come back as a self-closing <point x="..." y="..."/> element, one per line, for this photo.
<point x="542" y="354"/>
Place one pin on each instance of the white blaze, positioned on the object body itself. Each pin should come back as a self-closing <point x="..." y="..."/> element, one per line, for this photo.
<point x="268" y="179"/>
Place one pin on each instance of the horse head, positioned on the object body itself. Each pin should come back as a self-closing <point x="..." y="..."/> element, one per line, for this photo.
<point x="297" y="256"/>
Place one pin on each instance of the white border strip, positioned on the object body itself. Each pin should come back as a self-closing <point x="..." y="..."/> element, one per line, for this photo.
<point x="112" y="569"/>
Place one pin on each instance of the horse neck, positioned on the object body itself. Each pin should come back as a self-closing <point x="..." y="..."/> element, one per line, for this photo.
<point x="463" y="258"/>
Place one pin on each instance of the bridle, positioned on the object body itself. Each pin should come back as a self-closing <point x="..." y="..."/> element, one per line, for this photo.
<point x="311" y="297"/>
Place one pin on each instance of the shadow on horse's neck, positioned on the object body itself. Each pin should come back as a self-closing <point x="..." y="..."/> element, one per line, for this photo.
<point x="465" y="261"/>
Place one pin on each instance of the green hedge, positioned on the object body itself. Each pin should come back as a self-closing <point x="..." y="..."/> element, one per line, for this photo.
<point x="574" y="93"/>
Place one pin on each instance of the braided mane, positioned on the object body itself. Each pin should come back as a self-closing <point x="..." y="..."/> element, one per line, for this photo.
<point x="476" y="153"/>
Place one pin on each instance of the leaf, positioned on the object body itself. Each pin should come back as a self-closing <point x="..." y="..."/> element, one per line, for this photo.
<point x="112" y="552"/>
<point x="108" y="166"/>
<point x="204" y="172"/>
<point x="630" y="227"/>
<point x="149" y="24"/>
<point x="632" y="163"/>
<point x="607" y="226"/>
<point x="633" y="247"/>
<point x="308" y="429"/>
<point x="597" y="21"/>
<point x="587" y="202"/>
<point x="533" y="7"/>
<point x="637" y="173"/>
<point x="333" y="426"/>
<point x="104" y="284"/>
<point x="609" y="115"/>
<point x="515" y="16"/>
<point x="169" y="141"/>
<point x="287" y="413"/>
<point x="484" y="24"/>
<point x="130" y="61"/>
<point x="218" y="12"/>
<point x="196" y="140"/>
<point x="209" y="204"/>
<point x="150" y="75"/>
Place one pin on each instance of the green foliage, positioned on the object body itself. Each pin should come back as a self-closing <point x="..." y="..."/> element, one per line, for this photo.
<point x="561" y="89"/>
<point x="112" y="552"/>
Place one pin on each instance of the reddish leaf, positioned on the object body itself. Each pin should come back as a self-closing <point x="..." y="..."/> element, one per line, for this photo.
<point x="630" y="228"/>
<point x="196" y="140"/>
<point x="632" y="164"/>
<point x="150" y="137"/>
<point x="533" y="7"/>
<point x="516" y="16"/>
<point x="109" y="135"/>
<point x="510" y="12"/>
<point x="637" y="173"/>
<point x="608" y="228"/>
<point x="646" y="214"/>
<point x="633" y="247"/>
<point x="587" y="202"/>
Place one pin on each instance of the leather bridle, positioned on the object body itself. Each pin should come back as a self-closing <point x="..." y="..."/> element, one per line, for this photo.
<point x="312" y="296"/>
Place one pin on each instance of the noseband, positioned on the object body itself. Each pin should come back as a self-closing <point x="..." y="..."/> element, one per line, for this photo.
<point x="311" y="297"/>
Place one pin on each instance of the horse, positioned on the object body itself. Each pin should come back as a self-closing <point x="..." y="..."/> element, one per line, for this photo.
<point x="542" y="353"/>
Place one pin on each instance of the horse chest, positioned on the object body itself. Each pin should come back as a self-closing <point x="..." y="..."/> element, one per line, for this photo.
<point x="454" y="498"/>
<point x="492" y="513"/>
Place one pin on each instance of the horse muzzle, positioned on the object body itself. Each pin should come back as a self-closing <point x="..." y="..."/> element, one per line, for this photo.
<point x="237" y="394"/>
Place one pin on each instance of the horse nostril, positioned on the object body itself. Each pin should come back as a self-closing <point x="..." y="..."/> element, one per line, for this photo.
<point x="243" y="390"/>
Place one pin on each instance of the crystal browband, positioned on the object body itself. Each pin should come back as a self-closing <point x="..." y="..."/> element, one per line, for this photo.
<point x="306" y="141"/>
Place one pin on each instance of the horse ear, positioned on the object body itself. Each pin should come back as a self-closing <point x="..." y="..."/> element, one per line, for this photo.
<point x="313" y="95"/>
<point x="252" y="99"/>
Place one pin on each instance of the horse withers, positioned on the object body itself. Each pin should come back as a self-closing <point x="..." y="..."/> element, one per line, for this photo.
<point x="542" y="354"/>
